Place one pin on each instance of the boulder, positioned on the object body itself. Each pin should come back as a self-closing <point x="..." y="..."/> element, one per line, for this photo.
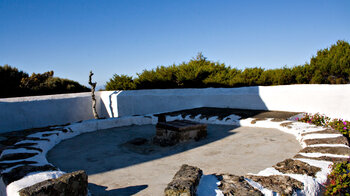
<point x="323" y="158"/>
<point x="290" y="166"/>
<point x="283" y="185"/>
<point x="336" y="140"/>
<point x="328" y="150"/>
<point x="21" y="171"/>
<point x="72" y="184"/>
<point x="236" y="185"/>
<point x="184" y="182"/>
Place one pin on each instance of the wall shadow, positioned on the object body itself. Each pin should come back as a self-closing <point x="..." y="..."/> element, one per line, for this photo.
<point x="140" y="102"/>
<point x="97" y="190"/>
<point x="105" y="107"/>
<point x="107" y="150"/>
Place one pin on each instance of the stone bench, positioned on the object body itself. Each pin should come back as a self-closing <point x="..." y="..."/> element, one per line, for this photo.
<point x="173" y="132"/>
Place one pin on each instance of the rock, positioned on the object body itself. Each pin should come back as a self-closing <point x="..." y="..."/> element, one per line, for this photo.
<point x="290" y="166"/>
<point x="287" y="124"/>
<point x="22" y="145"/>
<point x="72" y="184"/>
<point x="236" y="185"/>
<point x="336" y="140"/>
<point x="12" y="164"/>
<point x="49" y="134"/>
<point x="21" y="171"/>
<point x="329" y="150"/>
<point x="323" y="158"/>
<point x="326" y="131"/>
<point x="283" y="185"/>
<point x="184" y="182"/>
<point x="26" y="147"/>
<point x="17" y="156"/>
<point x="257" y="119"/>
<point x="37" y="139"/>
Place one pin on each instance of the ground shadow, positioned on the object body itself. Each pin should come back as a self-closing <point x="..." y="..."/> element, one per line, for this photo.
<point x="105" y="150"/>
<point x="150" y="101"/>
<point x="97" y="190"/>
<point x="110" y="149"/>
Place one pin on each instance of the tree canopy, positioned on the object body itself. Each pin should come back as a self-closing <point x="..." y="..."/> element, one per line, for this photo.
<point x="15" y="83"/>
<point x="329" y="66"/>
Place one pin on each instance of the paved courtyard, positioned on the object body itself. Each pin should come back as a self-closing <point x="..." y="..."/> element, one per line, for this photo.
<point x="117" y="168"/>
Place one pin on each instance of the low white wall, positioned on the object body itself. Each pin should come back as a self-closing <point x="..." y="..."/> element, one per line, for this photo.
<point x="331" y="100"/>
<point x="153" y="101"/>
<point x="39" y="111"/>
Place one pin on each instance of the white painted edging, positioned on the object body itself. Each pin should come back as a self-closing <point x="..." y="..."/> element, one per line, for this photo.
<point x="311" y="186"/>
<point x="75" y="129"/>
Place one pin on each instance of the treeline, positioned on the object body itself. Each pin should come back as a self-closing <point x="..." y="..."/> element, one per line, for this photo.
<point x="15" y="83"/>
<point x="329" y="66"/>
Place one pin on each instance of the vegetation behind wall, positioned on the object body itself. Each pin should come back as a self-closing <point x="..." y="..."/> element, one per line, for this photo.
<point x="15" y="83"/>
<point x="329" y="66"/>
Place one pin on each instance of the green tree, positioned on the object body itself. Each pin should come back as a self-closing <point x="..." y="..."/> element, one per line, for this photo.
<point x="10" y="80"/>
<point x="120" y="82"/>
<point x="16" y="83"/>
<point x="332" y="65"/>
<point x="329" y="66"/>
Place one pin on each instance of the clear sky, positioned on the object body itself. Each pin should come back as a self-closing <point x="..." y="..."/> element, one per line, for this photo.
<point x="73" y="37"/>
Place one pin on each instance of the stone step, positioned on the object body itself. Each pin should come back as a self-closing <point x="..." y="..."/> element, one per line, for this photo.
<point x="231" y="185"/>
<point x="283" y="185"/>
<point x="290" y="166"/>
<point x="184" y="182"/>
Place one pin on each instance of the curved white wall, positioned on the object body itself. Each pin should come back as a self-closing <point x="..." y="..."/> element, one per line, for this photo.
<point x="39" y="111"/>
<point x="332" y="100"/>
<point x="28" y="112"/>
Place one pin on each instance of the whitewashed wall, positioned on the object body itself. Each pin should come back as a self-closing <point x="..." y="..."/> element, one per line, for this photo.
<point x="154" y="101"/>
<point x="332" y="100"/>
<point x="39" y="111"/>
<point x="28" y="112"/>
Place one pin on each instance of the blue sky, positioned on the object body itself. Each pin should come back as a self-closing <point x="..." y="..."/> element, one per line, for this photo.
<point x="73" y="37"/>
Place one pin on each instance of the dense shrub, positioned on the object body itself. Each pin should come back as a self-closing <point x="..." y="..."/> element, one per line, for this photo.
<point x="316" y="119"/>
<point x="121" y="82"/>
<point x="338" y="181"/>
<point x="329" y="66"/>
<point x="341" y="125"/>
<point x="10" y="81"/>
<point x="16" y="83"/>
